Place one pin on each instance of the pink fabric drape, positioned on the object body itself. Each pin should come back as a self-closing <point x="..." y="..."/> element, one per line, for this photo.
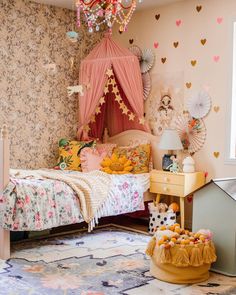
<point x="112" y="118"/>
<point x="94" y="76"/>
<point x="105" y="55"/>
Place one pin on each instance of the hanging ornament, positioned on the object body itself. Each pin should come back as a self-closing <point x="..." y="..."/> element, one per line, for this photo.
<point x="199" y="105"/>
<point x="75" y="89"/>
<point x="72" y="36"/>
<point x="106" y="12"/>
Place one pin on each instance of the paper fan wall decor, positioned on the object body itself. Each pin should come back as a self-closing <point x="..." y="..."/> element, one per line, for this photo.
<point x="192" y="132"/>
<point x="136" y="51"/>
<point x="147" y="85"/>
<point x="199" y="105"/>
<point x="147" y="60"/>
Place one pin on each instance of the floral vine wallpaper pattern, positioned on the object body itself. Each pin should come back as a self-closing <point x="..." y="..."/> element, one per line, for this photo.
<point x="37" y="63"/>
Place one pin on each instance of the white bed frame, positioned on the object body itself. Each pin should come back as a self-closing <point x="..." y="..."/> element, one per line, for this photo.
<point x="124" y="139"/>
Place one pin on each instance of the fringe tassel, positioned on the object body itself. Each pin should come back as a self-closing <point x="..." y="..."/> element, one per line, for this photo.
<point x="209" y="255"/>
<point x="102" y="211"/>
<point x="196" y="257"/>
<point x="181" y="258"/>
<point x="165" y="256"/>
<point x="151" y="246"/>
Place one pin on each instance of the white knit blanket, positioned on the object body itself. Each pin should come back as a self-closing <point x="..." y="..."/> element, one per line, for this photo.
<point x="91" y="188"/>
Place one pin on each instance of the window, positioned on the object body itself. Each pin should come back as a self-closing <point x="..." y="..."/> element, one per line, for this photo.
<point x="232" y="148"/>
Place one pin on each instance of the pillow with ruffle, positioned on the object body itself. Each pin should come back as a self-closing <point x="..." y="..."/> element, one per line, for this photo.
<point x="106" y="147"/>
<point x="91" y="159"/>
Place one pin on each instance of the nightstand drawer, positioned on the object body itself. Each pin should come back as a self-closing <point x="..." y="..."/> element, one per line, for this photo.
<point x="167" y="178"/>
<point x="166" y="189"/>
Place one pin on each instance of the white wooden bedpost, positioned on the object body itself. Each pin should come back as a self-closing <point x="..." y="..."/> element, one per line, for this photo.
<point x="4" y="180"/>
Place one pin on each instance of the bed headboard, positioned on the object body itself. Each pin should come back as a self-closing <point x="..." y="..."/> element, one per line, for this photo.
<point x="4" y="158"/>
<point x="132" y="137"/>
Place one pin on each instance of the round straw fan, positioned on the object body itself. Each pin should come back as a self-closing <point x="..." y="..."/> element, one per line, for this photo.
<point x="192" y="132"/>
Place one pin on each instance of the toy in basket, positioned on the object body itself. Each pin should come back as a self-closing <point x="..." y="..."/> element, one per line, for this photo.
<point x="179" y="256"/>
<point x="161" y="214"/>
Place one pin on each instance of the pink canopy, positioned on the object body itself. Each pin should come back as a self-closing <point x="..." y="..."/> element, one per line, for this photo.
<point x="93" y="76"/>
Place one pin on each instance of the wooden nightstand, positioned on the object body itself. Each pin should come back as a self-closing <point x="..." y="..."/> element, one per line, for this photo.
<point x="175" y="184"/>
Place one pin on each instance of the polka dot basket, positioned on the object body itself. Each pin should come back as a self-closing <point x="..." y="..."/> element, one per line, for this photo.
<point x="157" y="219"/>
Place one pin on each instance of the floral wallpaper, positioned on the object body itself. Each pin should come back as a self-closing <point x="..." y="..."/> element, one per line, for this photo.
<point x="37" y="64"/>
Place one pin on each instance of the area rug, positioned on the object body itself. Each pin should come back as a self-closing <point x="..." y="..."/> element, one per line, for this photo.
<point x="106" y="261"/>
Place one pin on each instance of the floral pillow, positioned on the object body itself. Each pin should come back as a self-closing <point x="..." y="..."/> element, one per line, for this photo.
<point x="91" y="159"/>
<point x="139" y="156"/>
<point x="69" y="154"/>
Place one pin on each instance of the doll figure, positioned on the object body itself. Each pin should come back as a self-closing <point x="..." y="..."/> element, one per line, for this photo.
<point x="174" y="167"/>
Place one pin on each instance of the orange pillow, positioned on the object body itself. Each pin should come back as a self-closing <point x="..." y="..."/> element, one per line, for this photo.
<point x="116" y="165"/>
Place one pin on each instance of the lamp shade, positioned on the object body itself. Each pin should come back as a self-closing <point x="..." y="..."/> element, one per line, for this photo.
<point x="170" y="140"/>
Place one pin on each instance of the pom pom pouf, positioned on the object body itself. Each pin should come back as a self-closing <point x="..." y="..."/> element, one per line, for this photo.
<point x="179" y="256"/>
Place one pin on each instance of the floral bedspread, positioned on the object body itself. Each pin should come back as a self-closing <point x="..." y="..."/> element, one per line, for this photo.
<point x="33" y="205"/>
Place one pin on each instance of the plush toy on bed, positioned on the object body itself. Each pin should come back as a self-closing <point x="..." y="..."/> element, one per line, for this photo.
<point x="116" y="165"/>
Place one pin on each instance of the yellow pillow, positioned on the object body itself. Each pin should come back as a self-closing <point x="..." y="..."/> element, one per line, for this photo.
<point x="139" y="156"/>
<point x="69" y="151"/>
<point x="116" y="165"/>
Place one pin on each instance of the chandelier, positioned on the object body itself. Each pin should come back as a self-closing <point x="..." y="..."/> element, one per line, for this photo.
<point x="105" y="12"/>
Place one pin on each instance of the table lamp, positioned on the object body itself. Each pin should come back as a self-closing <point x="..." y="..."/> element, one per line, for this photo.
<point x="170" y="141"/>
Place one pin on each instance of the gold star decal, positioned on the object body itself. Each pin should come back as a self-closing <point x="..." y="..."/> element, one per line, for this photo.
<point x="115" y="89"/>
<point x="118" y="98"/>
<point x="102" y="100"/>
<point x="142" y="121"/>
<point x="106" y="90"/>
<point x="113" y="82"/>
<point x="93" y="119"/>
<point x="87" y="128"/>
<point x="109" y="72"/>
<point x="131" y="117"/>
<point x="125" y="111"/>
<point x="98" y="110"/>
<point x="122" y="105"/>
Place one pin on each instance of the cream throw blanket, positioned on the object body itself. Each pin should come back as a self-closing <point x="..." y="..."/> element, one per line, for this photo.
<point x="91" y="188"/>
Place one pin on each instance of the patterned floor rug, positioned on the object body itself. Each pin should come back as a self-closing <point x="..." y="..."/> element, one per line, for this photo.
<point x="104" y="262"/>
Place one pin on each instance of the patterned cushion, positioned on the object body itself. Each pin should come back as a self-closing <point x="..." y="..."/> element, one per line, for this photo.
<point x="91" y="159"/>
<point x="69" y="154"/>
<point x="116" y="165"/>
<point x="139" y="156"/>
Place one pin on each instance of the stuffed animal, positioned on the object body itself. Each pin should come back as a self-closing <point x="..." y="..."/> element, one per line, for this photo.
<point x="174" y="207"/>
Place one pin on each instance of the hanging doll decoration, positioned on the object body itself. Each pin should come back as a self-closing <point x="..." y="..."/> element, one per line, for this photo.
<point x="165" y="111"/>
<point x="166" y="107"/>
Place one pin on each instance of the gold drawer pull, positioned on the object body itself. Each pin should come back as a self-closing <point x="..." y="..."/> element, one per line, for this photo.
<point x="165" y="189"/>
<point x="166" y="179"/>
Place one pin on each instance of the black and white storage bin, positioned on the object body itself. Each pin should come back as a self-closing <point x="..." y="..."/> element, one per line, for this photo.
<point x="157" y="218"/>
